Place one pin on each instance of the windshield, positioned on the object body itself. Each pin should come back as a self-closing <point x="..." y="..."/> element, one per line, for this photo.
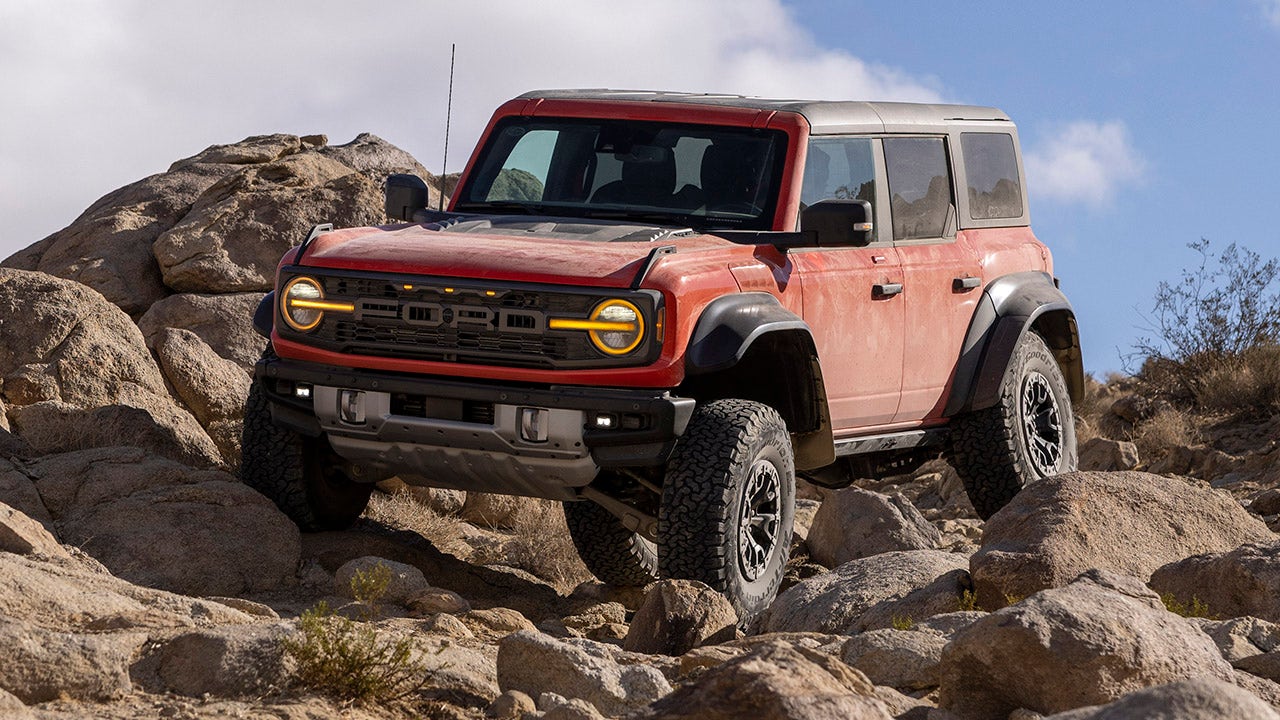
<point x="699" y="176"/>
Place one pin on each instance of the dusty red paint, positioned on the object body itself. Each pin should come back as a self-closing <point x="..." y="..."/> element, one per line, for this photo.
<point x="887" y="362"/>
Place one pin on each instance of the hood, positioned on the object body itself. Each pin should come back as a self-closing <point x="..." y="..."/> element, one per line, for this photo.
<point x="514" y="249"/>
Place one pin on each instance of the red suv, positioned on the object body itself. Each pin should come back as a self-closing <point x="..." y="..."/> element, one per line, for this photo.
<point x="662" y="308"/>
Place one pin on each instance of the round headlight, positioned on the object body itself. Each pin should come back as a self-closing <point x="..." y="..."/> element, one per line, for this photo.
<point x="297" y="303"/>
<point x="621" y="327"/>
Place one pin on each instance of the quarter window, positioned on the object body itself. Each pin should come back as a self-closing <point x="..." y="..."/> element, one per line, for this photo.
<point x="919" y="187"/>
<point x="991" y="171"/>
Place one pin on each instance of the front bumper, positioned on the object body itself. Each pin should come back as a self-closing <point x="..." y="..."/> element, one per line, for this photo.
<point x="543" y="441"/>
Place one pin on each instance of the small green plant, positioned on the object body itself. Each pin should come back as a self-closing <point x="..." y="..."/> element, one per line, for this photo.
<point x="1011" y="599"/>
<point x="1196" y="608"/>
<point x="968" y="601"/>
<point x="348" y="659"/>
<point x="368" y="586"/>
<point x="903" y="622"/>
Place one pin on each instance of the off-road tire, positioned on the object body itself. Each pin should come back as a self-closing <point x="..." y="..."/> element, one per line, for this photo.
<point x="299" y="474"/>
<point x="729" y="447"/>
<point x="996" y="451"/>
<point x="614" y="554"/>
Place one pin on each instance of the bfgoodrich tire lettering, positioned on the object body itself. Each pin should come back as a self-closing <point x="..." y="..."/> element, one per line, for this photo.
<point x="611" y="552"/>
<point x="299" y="474"/>
<point x="1029" y="434"/>
<point x="728" y="503"/>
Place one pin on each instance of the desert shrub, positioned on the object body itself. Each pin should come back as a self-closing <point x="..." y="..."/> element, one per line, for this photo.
<point x="1210" y="322"/>
<point x="903" y="622"/>
<point x="540" y="544"/>
<point x="1196" y="608"/>
<point x="1251" y="382"/>
<point x="968" y="601"/>
<point x="402" y="511"/>
<point x="1166" y="429"/>
<point x="350" y="660"/>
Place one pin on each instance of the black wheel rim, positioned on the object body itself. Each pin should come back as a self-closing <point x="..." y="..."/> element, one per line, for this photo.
<point x="1041" y="424"/>
<point x="759" y="519"/>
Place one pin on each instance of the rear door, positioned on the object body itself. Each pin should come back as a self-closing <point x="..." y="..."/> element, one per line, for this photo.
<point x="942" y="273"/>
<point x="850" y="293"/>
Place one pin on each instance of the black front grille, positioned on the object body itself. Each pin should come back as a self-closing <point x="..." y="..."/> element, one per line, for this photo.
<point x="461" y="321"/>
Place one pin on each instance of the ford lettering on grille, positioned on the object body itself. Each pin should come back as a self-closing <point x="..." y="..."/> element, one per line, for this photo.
<point x="428" y="314"/>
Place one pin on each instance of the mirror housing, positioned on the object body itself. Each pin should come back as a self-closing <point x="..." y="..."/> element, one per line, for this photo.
<point x="405" y="195"/>
<point x="835" y="222"/>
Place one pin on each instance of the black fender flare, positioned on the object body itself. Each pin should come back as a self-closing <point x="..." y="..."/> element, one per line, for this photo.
<point x="1011" y="306"/>
<point x="265" y="316"/>
<point x="725" y="335"/>
<point x="730" y="324"/>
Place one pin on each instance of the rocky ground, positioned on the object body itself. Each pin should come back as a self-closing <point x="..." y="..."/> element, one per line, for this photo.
<point x="141" y="580"/>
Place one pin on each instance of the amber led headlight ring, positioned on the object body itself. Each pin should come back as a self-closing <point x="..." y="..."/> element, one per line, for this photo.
<point x="303" y="306"/>
<point x="615" y="327"/>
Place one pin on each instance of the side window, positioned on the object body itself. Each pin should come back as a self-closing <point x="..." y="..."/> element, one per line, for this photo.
<point x="842" y="168"/>
<point x="991" y="170"/>
<point x="524" y="175"/>
<point x="919" y="187"/>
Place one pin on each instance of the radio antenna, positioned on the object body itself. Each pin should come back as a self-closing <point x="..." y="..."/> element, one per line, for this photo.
<point x="444" y="161"/>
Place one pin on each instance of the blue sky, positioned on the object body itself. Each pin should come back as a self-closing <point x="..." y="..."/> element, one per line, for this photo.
<point x="1145" y="125"/>
<point x="1193" y="85"/>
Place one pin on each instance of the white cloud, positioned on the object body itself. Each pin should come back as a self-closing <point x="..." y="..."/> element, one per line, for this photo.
<point x="1085" y="161"/>
<point x="1271" y="11"/>
<point x="99" y="94"/>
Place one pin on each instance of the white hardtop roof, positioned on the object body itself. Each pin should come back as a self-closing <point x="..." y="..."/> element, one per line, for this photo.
<point x="824" y="116"/>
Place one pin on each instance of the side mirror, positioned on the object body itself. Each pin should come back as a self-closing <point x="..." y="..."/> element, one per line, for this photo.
<point x="838" y="222"/>
<point x="406" y="195"/>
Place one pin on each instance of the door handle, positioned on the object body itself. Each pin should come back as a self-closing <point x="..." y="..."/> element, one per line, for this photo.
<point x="962" y="284"/>
<point x="886" y="289"/>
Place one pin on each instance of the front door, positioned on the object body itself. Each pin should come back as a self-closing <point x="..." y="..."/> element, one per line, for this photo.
<point x="851" y="298"/>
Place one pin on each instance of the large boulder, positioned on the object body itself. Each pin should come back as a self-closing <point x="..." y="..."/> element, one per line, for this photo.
<point x="1104" y="454"/>
<point x="223" y="322"/>
<point x="212" y="388"/>
<point x="836" y="600"/>
<point x="41" y="665"/>
<point x="1237" y="583"/>
<point x="74" y="353"/>
<point x="167" y="430"/>
<point x="108" y="247"/>
<point x="1195" y="699"/>
<point x="1088" y="643"/>
<point x="79" y="598"/>
<point x="679" y="615"/>
<point x="533" y="663"/>
<point x="1128" y="522"/>
<point x="775" y="681"/>
<point x="238" y="229"/>
<point x="1241" y="637"/>
<point x="854" y="523"/>
<point x="228" y="661"/>
<point x="902" y="659"/>
<point x="158" y="523"/>
<point x="404" y="582"/>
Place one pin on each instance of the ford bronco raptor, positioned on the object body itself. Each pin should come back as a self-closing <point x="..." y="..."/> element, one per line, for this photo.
<point x="662" y="308"/>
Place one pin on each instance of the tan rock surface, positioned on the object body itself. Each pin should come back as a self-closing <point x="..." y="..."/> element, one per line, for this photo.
<point x="158" y="523"/>
<point x="1127" y="522"/>
<point x="1088" y="643"/>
